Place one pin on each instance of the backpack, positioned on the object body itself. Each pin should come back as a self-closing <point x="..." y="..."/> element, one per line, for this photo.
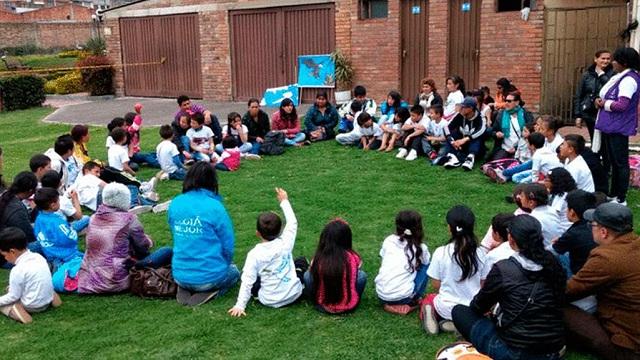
<point x="273" y="143"/>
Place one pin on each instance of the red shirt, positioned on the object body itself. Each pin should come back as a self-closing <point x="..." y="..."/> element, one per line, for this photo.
<point x="348" y="302"/>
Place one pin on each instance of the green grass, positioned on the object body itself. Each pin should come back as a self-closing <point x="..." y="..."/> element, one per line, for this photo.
<point x="324" y="181"/>
<point x="43" y="61"/>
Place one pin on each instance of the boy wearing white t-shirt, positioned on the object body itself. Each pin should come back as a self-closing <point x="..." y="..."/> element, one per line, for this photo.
<point x="89" y="185"/>
<point x="414" y="128"/>
<point x="118" y="154"/>
<point x="270" y="263"/>
<point x="169" y="156"/>
<point x="499" y="226"/>
<point x="201" y="139"/>
<point x="543" y="160"/>
<point x="30" y="285"/>
<point x="434" y="136"/>
<point x="570" y="151"/>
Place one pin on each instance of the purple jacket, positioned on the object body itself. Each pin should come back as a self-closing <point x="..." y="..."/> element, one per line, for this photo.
<point x="621" y="119"/>
<point x="113" y="237"/>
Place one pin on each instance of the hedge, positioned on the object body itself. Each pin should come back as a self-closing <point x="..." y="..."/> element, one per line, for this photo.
<point x="68" y="84"/>
<point x="98" y="81"/>
<point x="21" y="92"/>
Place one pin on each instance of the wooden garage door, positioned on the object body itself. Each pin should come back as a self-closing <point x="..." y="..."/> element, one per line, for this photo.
<point x="464" y="41"/>
<point x="170" y="46"/>
<point x="265" y="44"/>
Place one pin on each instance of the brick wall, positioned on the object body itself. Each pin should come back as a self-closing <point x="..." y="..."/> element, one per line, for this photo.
<point x="45" y="35"/>
<point x="62" y="12"/>
<point x="111" y="32"/>
<point x="514" y="51"/>
<point x="438" y="40"/>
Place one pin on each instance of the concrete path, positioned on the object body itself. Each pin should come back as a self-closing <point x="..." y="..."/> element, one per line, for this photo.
<point x="82" y="109"/>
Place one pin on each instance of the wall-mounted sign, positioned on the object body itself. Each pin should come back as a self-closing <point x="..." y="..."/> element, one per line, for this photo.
<point x="415" y="10"/>
<point x="466" y="6"/>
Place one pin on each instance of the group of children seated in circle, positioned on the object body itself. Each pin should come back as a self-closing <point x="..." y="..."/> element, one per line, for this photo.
<point x="527" y="255"/>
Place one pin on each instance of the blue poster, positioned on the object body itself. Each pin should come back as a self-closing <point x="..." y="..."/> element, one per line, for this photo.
<point x="466" y="7"/>
<point x="273" y="96"/>
<point x="316" y="71"/>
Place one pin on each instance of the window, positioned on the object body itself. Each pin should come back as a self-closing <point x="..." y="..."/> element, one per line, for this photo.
<point x="373" y="9"/>
<point x="513" y="5"/>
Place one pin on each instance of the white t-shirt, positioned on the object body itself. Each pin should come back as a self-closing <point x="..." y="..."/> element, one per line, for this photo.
<point x="553" y="146"/>
<point x="29" y="282"/>
<point x="118" y="155"/>
<point x="549" y="221"/>
<point x="87" y="186"/>
<point x="165" y="151"/>
<point x="515" y="133"/>
<point x="559" y="204"/>
<point x="234" y="132"/>
<point x="453" y="292"/>
<point x="436" y="129"/>
<point x="500" y="252"/>
<point x="109" y="142"/>
<point x="201" y="136"/>
<point x="374" y="131"/>
<point x="453" y="99"/>
<point x="272" y="261"/>
<point x="627" y="88"/>
<point x="395" y="280"/>
<point x="544" y="160"/>
<point x="581" y="173"/>
<point x="66" y="206"/>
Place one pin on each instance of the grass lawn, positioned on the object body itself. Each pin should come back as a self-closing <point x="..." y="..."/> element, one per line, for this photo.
<point x="43" y="61"/>
<point x="324" y="181"/>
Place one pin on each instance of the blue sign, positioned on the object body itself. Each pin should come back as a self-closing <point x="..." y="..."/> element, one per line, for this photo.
<point x="316" y="71"/>
<point x="273" y="97"/>
<point x="466" y="6"/>
<point x="415" y="10"/>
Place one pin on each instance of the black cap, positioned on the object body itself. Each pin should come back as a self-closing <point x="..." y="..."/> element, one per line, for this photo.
<point x="616" y="217"/>
<point x="469" y="102"/>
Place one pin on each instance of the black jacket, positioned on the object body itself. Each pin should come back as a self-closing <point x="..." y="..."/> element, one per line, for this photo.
<point x="588" y="90"/>
<point x="461" y="127"/>
<point x="178" y="132"/>
<point x="437" y="99"/>
<point x="578" y="241"/>
<point x="539" y="328"/>
<point x="256" y="129"/>
<point x="599" y="174"/>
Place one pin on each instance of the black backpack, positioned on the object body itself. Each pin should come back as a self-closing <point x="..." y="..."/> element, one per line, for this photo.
<point x="273" y="143"/>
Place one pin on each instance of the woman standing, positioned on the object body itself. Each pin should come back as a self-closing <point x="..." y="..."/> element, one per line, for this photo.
<point x="617" y="106"/>
<point x="321" y="119"/>
<point x="592" y="81"/>
<point x="529" y="322"/>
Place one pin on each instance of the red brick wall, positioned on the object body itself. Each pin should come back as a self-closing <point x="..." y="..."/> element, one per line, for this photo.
<point x="114" y="52"/>
<point x="438" y="40"/>
<point x="45" y="35"/>
<point x="512" y="48"/>
<point x="62" y="12"/>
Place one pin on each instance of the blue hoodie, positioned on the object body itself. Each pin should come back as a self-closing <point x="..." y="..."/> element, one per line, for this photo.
<point x="203" y="238"/>
<point x="58" y="240"/>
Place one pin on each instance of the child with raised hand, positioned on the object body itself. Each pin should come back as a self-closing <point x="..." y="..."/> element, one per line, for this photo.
<point x="456" y="271"/>
<point x="402" y="277"/>
<point x="30" y="287"/>
<point x="334" y="282"/>
<point x="392" y="131"/>
<point x="269" y="272"/>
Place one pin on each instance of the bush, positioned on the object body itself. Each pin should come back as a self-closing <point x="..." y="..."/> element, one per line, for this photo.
<point x="72" y="54"/>
<point x="97" y="81"/>
<point x="66" y="84"/>
<point x="21" y="92"/>
<point x="96" y="46"/>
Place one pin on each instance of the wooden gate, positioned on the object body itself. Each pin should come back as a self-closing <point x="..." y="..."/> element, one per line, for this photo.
<point x="464" y="40"/>
<point x="415" y="40"/>
<point x="265" y="44"/>
<point x="571" y="37"/>
<point x="170" y="45"/>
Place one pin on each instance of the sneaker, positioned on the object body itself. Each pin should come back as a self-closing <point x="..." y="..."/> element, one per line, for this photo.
<point x="149" y="186"/>
<point x="615" y="200"/>
<point x="429" y="321"/>
<point x="453" y="162"/>
<point x="152" y="195"/>
<point x="433" y="155"/>
<point x="500" y="179"/>
<point x="161" y="207"/>
<point x="189" y="162"/>
<point x="412" y="155"/>
<point x="399" y="309"/>
<point x="401" y="153"/>
<point x="468" y="163"/>
<point x="200" y="298"/>
<point x="252" y="157"/>
<point x="440" y="160"/>
<point x="140" y="209"/>
<point x="447" y="326"/>
<point x="183" y="296"/>
<point x="162" y="176"/>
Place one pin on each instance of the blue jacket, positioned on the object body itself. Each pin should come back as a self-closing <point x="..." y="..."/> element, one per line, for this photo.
<point x="203" y="238"/>
<point x="314" y="119"/>
<point x="58" y="240"/>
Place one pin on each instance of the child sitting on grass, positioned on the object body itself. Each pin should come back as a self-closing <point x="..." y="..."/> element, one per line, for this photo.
<point x="334" y="282"/>
<point x="370" y="132"/>
<point x="169" y="156"/>
<point x="393" y="131"/>
<point x="230" y="158"/>
<point x="269" y="272"/>
<point x="433" y="137"/>
<point x="118" y="153"/>
<point x="80" y="136"/>
<point x="402" y="278"/>
<point x="88" y="186"/>
<point x="500" y="236"/>
<point x="69" y="201"/>
<point x="542" y="160"/>
<point x="30" y="287"/>
<point x="201" y="139"/>
<point x="413" y="129"/>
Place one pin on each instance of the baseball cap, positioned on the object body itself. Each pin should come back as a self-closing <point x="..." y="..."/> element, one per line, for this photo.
<point x="616" y="217"/>
<point x="469" y="102"/>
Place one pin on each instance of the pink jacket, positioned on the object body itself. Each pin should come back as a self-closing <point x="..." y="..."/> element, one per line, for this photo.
<point x="292" y="128"/>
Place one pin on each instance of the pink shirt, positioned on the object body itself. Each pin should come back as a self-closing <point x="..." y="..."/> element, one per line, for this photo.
<point x="348" y="302"/>
<point x="291" y="127"/>
<point x="231" y="158"/>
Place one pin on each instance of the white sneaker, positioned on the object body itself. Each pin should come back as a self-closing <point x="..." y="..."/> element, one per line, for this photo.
<point x="453" y="162"/>
<point x="412" y="155"/>
<point x="161" y="207"/>
<point x="447" y="326"/>
<point x="149" y="186"/>
<point x="429" y="321"/>
<point x="152" y="195"/>
<point x="401" y="153"/>
<point x="468" y="163"/>
<point x="252" y="157"/>
<point x="140" y="209"/>
<point x="616" y="201"/>
<point x="162" y="176"/>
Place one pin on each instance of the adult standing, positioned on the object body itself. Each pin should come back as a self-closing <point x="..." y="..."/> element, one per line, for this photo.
<point x="509" y="126"/>
<point x="186" y="106"/>
<point x="203" y="239"/>
<point x="618" y="119"/>
<point x="321" y="119"/>
<point x="593" y="79"/>
<point x="612" y="274"/>
<point x="257" y="121"/>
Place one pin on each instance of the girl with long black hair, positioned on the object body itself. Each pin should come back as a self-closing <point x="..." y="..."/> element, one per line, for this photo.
<point x="12" y="210"/>
<point x="529" y="286"/>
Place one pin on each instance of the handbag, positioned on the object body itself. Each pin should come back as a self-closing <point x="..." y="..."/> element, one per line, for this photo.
<point x="149" y="282"/>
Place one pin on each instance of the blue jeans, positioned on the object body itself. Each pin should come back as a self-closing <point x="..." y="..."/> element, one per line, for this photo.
<point x="136" y="199"/>
<point x="223" y="286"/>
<point x="294" y="140"/>
<point x="146" y="158"/>
<point x="186" y="143"/>
<point x="178" y="174"/>
<point x="81" y="223"/>
<point x="222" y="167"/>
<point x="472" y="147"/>
<point x="522" y="177"/>
<point x="419" y="286"/>
<point x="244" y="148"/>
<point x="156" y="259"/>
<point x="345" y="126"/>
<point x="508" y="173"/>
<point x="198" y="156"/>
<point x="307" y="278"/>
<point x="255" y="147"/>
<point x="483" y="334"/>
